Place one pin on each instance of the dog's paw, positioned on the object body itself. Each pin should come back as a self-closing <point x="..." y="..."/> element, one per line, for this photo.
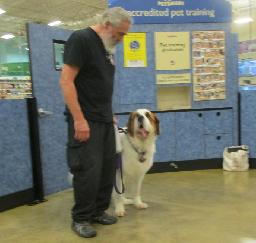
<point x="120" y="210"/>
<point x="120" y="213"/>
<point x="141" y="205"/>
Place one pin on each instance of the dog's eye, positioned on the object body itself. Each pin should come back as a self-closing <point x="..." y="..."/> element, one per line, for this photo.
<point x="147" y="115"/>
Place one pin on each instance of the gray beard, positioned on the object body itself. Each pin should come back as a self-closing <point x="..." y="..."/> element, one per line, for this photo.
<point x="110" y="48"/>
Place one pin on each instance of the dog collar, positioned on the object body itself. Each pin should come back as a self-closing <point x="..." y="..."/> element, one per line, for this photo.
<point x="141" y="153"/>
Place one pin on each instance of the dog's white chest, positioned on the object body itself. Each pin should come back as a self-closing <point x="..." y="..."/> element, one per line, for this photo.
<point x="136" y="159"/>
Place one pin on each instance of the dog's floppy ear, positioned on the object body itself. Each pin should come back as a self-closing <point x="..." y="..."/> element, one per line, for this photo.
<point x="130" y="125"/>
<point x="157" y="128"/>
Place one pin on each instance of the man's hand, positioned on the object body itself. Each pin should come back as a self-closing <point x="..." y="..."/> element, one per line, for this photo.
<point x="82" y="130"/>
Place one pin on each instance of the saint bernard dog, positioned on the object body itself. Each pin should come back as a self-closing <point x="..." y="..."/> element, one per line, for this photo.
<point x="137" y="151"/>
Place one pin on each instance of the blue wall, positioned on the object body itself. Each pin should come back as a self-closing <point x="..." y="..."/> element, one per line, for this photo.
<point x="15" y="160"/>
<point x="248" y="120"/>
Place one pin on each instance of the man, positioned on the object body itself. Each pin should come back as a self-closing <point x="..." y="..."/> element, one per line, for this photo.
<point x="87" y="85"/>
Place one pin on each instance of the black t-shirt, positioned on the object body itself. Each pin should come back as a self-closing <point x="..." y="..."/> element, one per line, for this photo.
<point x="94" y="82"/>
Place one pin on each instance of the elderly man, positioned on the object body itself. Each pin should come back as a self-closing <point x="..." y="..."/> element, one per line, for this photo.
<point x="87" y="84"/>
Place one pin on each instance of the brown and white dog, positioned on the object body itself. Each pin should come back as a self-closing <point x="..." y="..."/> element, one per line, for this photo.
<point x="138" y="148"/>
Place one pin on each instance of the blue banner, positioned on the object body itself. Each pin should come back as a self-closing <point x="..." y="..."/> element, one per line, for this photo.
<point x="176" y="12"/>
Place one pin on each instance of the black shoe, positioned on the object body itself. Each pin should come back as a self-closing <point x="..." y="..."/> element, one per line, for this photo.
<point x="84" y="229"/>
<point x="105" y="219"/>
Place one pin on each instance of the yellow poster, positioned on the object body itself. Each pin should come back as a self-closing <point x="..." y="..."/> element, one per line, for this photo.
<point x="135" y="54"/>
<point x="172" y="50"/>
<point x="183" y="78"/>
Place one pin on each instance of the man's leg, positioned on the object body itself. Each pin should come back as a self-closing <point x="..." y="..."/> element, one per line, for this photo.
<point x="107" y="176"/>
<point x="85" y="162"/>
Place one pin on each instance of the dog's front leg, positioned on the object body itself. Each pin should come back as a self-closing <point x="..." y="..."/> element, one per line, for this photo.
<point x="119" y="204"/>
<point x="118" y="199"/>
<point x="137" y="200"/>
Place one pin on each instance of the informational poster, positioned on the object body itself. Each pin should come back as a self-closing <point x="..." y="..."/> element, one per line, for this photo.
<point x="135" y="52"/>
<point x="15" y="88"/>
<point x="209" y="78"/>
<point x="183" y="78"/>
<point x="172" y="50"/>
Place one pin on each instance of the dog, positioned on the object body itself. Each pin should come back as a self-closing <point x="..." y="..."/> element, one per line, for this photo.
<point x="137" y="152"/>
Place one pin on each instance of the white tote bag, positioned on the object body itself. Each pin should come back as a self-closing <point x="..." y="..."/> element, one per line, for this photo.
<point x="236" y="158"/>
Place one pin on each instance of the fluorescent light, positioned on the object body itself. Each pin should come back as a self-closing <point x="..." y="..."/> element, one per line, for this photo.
<point x="8" y="36"/>
<point x="2" y="11"/>
<point x="55" y="23"/>
<point x="243" y="20"/>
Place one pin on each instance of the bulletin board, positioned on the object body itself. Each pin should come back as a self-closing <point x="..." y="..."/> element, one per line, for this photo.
<point x="141" y="85"/>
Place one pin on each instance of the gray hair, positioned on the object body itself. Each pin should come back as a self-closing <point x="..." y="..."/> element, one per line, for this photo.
<point x="115" y="16"/>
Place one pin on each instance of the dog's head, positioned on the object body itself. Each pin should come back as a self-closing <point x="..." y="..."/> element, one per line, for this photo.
<point x="142" y="123"/>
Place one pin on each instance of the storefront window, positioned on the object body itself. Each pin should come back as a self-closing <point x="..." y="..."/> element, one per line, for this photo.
<point x="244" y="24"/>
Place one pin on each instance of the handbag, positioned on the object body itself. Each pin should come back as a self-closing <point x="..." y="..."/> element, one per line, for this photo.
<point x="236" y="158"/>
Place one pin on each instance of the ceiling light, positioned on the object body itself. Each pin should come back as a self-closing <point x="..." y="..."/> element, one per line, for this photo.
<point x="243" y="20"/>
<point x="2" y="11"/>
<point x="8" y="36"/>
<point x="55" y="23"/>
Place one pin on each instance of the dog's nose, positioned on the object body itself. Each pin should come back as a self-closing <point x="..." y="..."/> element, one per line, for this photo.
<point x="140" y="119"/>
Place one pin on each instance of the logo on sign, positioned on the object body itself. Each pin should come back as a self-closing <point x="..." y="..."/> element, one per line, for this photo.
<point x="134" y="45"/>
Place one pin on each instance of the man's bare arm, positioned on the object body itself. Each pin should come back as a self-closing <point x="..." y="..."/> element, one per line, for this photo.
<point x="67" y="79"/>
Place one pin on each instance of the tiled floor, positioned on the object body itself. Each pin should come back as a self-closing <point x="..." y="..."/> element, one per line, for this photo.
<point x="208" y="206"/>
